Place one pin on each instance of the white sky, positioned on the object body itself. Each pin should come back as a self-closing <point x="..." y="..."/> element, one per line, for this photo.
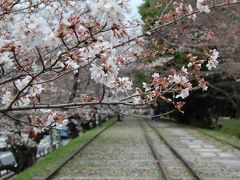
<point x="134" y="6"/>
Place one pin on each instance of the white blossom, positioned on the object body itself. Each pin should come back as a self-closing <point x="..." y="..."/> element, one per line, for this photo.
<point x="72" y="65"/>
<point x="122" y="84"/>
<point x="21" y="84"/>
<point x="32" y="90"/>
<point x="190" y="11"/>
<point x="109" y="11"/>
<point x="212" y="62"/>
<point x="32" y="31"/>
<point x="137" y="99"/>
<point x="201" y="7"/>
<point x="156" y="75"/>
<point x="178" y="79"/>
<point x="184" y="93"/>
<point x="36" y="90"/>
<point x="7" y="98"/>
<point x="23" y="101"/>
<point x="179" y="9"/>
<point x="215" y="54"/>
<point x="190" y="64"/>
<point x="6" y="61"/>
<point x="184" y="70"/>
<point x="104" y="73"/>
<point x="146" y="87"/>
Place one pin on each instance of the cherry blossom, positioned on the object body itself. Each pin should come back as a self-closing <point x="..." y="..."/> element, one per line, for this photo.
<point x="43" y="41"/>
<point x="6" y="61"/>
<point x="184" y="70"/>
<point x="203" y="84"/>
<point x="184" y="93"/>
<point x="104" y="73"/>
<point x="21" y="84"/>
<point x="137" y="99"/>
<point x="146" y="87"/>
<point x="7" y="98"/>
<point x="212" y="62"/>
<point x="122" y="84"/>
<point x="32" y="31"/>
<point x="202" y="7"/>
<point x="178" y="79"/>
<point x="33" y="90"/>
<point x="62" y="57"/>
<point x="36" y="90"/>
<point x="156" y="75"/>
<point x="190" y="11"/>
<point x="23" y="101"/>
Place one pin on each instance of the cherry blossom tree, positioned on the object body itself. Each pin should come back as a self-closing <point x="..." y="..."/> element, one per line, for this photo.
<point x="43" y="41"/>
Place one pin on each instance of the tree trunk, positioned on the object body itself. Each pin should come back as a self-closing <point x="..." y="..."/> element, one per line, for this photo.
<point x="51" y="140"/>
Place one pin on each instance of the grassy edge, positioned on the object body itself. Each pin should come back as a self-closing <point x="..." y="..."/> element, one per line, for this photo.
<point x="45" y="166"/>
<point x="222" y="136"/>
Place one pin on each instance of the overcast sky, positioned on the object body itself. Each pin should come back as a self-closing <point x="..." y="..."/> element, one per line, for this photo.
<point x="134" y="6"/>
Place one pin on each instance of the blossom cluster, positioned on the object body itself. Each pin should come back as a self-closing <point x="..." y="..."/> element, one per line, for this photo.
<point x="202" y="7"/>
<point x="41" y="41"/>
<point x="60" y="35"/>
<point x="187" y="9"/>
<point x="181" y="9"/>
<point x="179" y="84"/>
<point x="29" y="89"/>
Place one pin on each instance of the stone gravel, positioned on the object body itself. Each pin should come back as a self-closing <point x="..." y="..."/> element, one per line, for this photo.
<point x="121" y="152"/>
<point x="173" y="165"/>
<point x="209" y="157"/>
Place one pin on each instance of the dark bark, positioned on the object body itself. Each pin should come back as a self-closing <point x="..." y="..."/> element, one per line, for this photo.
<point x="196" y="111"/>
<point x="75" y="87"/>
<point x="73" y="129"/>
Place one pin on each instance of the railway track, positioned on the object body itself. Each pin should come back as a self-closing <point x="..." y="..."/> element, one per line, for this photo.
<point x="119" y="153"/>
<point x="146" y="126"/>
<point x="56" y="170"/>
<point x="211" y="136"/>
<point x="162" y="169"/>
<point x="167" y="159"/>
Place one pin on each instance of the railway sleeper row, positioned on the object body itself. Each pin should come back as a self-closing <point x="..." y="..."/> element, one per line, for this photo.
<point x="171" y="164"/>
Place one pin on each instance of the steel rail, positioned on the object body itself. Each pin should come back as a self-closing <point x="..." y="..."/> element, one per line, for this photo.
<point x="209" y="135"/>
<point x="221" y="140"/>
<point x="56" y="170"/>
<point x="161" y="167"/>
<point x="187" y="164"/>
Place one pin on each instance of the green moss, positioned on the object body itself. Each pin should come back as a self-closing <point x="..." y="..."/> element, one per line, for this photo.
<point x="148" y="9"/>
<point x="45" y="166"/>
<point x="231" y="127"/>
<point x="230" y="132"/>
<point x="180" y="59"/>
<point x="140" y="77"/>
<point x="225" y="137"/>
